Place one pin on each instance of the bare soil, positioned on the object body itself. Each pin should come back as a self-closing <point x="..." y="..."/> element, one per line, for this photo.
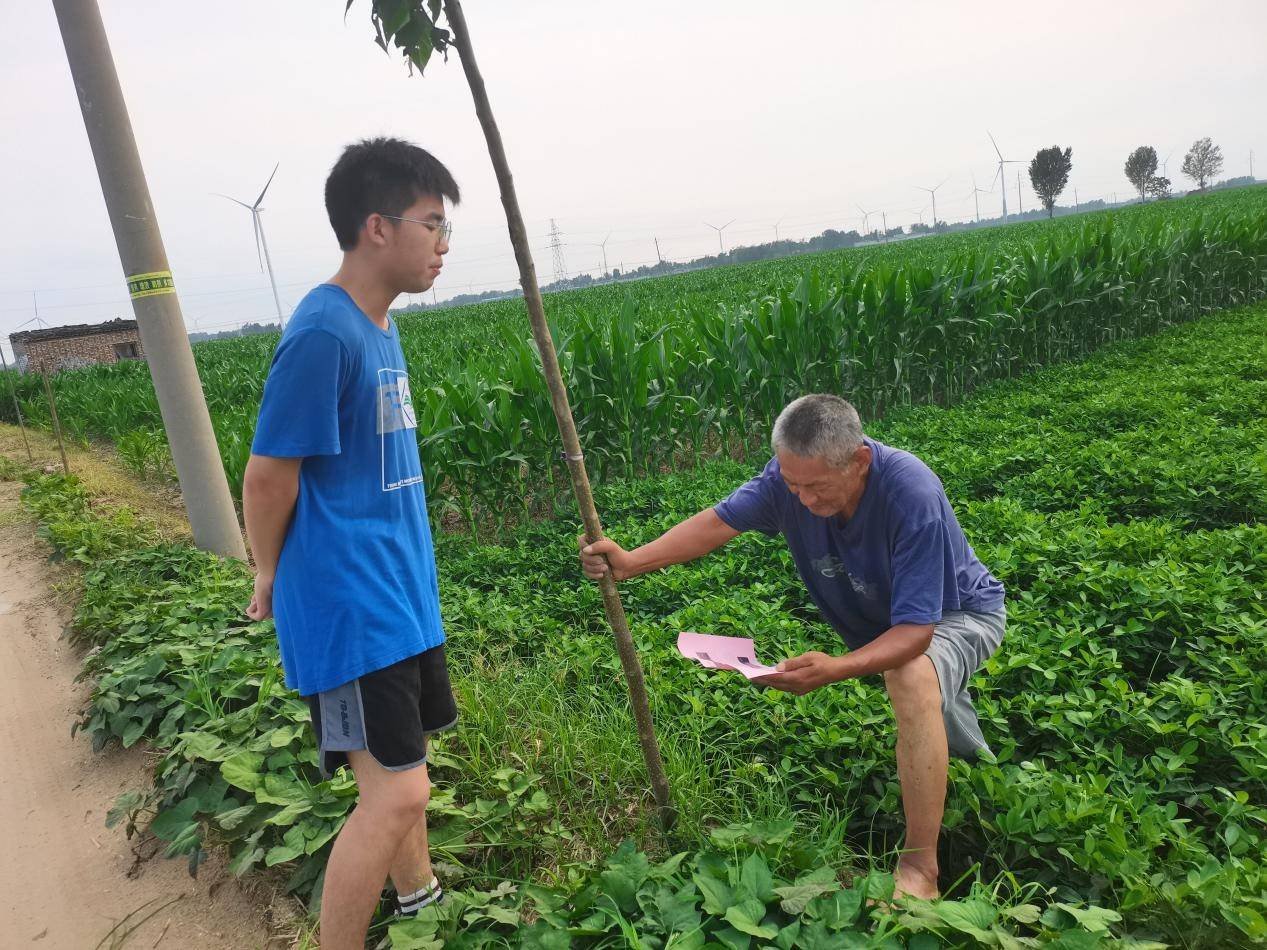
<point x="66" y="880"/>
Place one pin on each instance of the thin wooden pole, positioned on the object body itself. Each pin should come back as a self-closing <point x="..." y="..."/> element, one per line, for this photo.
<point x="563" y="412"/>
<point x="57" y="426"/>
<point x="17" y="407"/>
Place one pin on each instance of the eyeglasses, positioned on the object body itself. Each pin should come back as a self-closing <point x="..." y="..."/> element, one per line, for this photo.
<point x="443" y="228"/>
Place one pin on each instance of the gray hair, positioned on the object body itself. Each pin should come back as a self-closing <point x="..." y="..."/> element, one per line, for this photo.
<point x="819" y="425"/>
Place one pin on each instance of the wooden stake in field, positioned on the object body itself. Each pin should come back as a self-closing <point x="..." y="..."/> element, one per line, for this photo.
<point x="13" y="391"/>
<point x="416" y="36"/>
<point x="57" y="425"/>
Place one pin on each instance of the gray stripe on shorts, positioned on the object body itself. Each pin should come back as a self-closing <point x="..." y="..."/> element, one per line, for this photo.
<point x="342" y="719"/>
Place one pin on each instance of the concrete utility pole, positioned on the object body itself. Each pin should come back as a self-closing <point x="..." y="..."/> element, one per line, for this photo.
<point x="180" y="399"/>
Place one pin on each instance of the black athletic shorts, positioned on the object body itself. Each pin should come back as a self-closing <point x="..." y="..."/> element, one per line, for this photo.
<point x="389" y="712"/>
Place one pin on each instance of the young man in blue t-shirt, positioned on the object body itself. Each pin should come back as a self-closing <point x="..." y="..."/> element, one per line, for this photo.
<point x="337" y="520"/>
<point x="874" y="539"/>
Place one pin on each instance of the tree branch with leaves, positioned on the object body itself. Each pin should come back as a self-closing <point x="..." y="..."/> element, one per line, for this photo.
<point x="1140" y="168"/>
<point x="1203" y="161"/>
<point x="1049" y="174"/>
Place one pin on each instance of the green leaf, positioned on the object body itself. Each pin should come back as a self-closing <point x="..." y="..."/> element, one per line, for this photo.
<point x="201" y="745"/>
<point x="787" y="937"/>
<point x="245" y="860"/>
<point x="503" y="915"/>
<point x="242" y="770"/>
<point x="972" y="917"/>
<point x="621" y="888"/>
<point x="132" y="731"/>
<point x="288" y="815"/>
<point x="540" y="936"/>
<point x="796" y="896"/>
<point x="676" y="913"/>
<point x="170" y="822"/>
<point x="717" y="895"/>
<point x="292" y="847"/>
<point x="733" y="938"/>
<point x="755" y="875"/>
<point x="282" y="789"/>
<point x="838" y="910"/>
<point x="279" y="854"/>
<point x="1094" y="919"/>
<point x="747" y="917"/>
<point x="232" y="817"/>
<point x="414" y="933"/>
<point x="1076" y="940"/>
<point x="755" y="833"/>
<point x="815" y="935"/>
<point x="123" y="806"/>
<point x="1246" y="919"/>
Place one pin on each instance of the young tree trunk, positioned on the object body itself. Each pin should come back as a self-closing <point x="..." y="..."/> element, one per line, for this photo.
<point x="562" y="410"/>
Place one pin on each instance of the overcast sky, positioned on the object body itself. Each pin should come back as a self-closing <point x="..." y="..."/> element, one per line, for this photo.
<point x="641" y="120"/>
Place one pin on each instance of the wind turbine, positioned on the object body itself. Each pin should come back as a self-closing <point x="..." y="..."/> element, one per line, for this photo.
<point x="866" y="219"/>
<point x="603" y="245"/>
<point x="998" y="176"/>
<point x="933" y="192"/>
<point x="976" y="193"/>
<point x="720" y="248"/>
<point x="260" y="242"/>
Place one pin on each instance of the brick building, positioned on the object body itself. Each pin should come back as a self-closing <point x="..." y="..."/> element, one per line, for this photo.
<point x="57" y="348"/>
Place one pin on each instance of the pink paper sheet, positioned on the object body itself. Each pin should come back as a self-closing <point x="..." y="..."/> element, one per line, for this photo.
<point x="724" y="653"/>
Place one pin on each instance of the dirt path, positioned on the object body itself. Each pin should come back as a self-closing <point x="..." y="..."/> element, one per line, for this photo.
<point x="66" y="879"/>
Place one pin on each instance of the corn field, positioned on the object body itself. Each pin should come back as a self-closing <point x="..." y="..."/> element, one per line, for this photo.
<point x="673" y="372"/>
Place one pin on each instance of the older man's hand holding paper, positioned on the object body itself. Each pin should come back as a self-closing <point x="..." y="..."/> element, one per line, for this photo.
<point x="723" y="653"/>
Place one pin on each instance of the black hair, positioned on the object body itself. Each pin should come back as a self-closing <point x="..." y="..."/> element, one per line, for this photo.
<point x="384" y="176"/>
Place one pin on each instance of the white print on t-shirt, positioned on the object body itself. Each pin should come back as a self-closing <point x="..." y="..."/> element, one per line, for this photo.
<point x="830" y="566"/>
<point x="395" y="412"/>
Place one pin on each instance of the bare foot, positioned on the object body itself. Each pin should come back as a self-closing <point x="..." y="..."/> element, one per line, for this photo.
<point x="911" y="881"/>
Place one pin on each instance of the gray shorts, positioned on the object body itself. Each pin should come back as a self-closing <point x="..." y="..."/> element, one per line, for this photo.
<point x="962" y="641"/>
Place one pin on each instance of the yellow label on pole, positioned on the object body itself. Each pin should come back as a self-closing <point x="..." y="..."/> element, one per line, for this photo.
<point x="147" y="285"/>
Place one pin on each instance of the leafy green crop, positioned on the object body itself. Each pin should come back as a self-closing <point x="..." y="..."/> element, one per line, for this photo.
<point x="1121" y="499"/>
<point x="680" y="370"/>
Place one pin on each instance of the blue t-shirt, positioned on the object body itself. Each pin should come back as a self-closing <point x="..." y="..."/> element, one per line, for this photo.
<point x="901" y="558"/>
<point x="355" y="589"/>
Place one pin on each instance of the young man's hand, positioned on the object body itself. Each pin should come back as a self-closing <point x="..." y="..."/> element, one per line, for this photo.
<point x="801" y="674"/>
<point x="595" y="566"/>
<point x="261" y="606"/>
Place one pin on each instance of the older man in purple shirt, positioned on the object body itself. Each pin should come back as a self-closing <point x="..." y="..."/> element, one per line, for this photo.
<point x="878" y="546"/>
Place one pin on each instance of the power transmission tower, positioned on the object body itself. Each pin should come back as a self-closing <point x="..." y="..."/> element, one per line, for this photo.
<point x="556" y="248"/>
<point x="171" y="362"/>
